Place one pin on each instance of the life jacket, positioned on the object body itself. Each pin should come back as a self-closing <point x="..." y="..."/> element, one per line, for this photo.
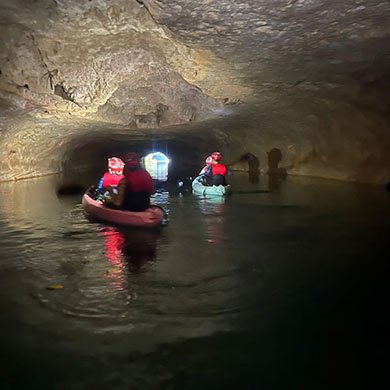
<point x="110" y="179"/>
<point x="138" y="188"/>
<point x="218" y="169"/>
<point x="139" y="180"/>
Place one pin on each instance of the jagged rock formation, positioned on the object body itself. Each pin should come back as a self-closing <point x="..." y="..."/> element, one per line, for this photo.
<point x="304" y="76"/>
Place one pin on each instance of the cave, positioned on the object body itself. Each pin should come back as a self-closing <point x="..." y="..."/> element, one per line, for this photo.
<point x="307" y="78"/>
<point x="295" y="94"/>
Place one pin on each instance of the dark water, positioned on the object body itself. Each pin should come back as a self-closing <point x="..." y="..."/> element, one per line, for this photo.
<point x="278" y="290"/>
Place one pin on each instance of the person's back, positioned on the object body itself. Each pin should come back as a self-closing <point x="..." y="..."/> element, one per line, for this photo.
<point x="135" y="188"/>
<point x="216" y="175"/>
<point x="138" y="188"/>
<point x="216" y="171"/>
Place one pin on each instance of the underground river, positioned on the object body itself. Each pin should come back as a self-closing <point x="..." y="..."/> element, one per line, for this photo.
<point x="282" y="288"/>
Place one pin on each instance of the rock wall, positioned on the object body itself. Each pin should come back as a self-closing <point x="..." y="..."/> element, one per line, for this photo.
<point x="304" y="76"/>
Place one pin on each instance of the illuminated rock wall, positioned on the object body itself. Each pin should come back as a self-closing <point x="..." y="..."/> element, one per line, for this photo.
<point x="307" y="77"/>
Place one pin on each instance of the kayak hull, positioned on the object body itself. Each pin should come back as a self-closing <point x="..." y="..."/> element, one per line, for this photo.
<point x="199" y="189"/>
<point x="151" y="217"/>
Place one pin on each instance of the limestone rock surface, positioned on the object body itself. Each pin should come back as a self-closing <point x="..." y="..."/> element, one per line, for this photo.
<point x="308" y="77"/>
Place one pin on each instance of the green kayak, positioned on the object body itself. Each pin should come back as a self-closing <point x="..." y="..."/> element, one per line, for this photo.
<point x="199" y="189"/>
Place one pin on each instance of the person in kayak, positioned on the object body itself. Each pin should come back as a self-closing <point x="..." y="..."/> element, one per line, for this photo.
<point x="215" y="172"/>
<point x="114" y="174"/>
<point x="109" y="180"/>
<point x="208" y="162"/>
<point x="134" y="189"/>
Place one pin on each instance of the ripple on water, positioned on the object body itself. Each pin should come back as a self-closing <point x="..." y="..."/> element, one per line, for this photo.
<point x="90" y="302"/>
<point x="112" y="277"/>
<point x="249" y="267"/>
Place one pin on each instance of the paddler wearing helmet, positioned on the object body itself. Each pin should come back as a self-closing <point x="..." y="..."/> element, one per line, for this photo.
<point x="135" y="188"/>
<point x="114" y="174"/>
<point x="208" y="162"/>
<point x="215" y="172"/>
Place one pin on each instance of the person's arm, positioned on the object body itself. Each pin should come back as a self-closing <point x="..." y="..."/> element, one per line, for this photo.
<point x="208" y="171"/>
<point x="204" y="169"/>
<point x="100" y="185"/>
<point x="204" y="172"/>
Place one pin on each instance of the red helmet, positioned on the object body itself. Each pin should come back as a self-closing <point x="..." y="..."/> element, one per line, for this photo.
<point x="115" y="165"/>
<point x="209" y="160"/>
<point x="131" y="159"/>
<point x="216" y="156"/>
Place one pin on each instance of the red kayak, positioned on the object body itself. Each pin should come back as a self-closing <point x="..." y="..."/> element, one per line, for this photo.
<point x="151" y="217"/>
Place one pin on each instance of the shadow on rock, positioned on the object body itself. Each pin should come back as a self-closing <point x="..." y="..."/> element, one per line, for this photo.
<point x="274" y="158"/>
<point x="275" y="174"/>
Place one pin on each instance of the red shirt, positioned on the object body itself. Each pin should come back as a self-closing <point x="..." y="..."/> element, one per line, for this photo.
<point x="110" y="179"/>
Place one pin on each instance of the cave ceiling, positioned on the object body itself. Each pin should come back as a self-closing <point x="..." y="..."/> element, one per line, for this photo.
<point x="307" y="76"/>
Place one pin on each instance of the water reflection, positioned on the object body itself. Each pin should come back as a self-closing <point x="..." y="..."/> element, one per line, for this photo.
<point x="213" y="209"/>
<point x="254" y="177"/>
<point x="229" y="277"/>
<point x="275" y="181"/>
<point x="30" y="201"/>
<point x="127" y="251"/>
<point x="212" y="206"/>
